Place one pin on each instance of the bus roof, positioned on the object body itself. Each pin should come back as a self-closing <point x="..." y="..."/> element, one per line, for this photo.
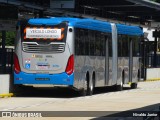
<point x="75" y="22"/>
<point x="129" y="30"/>
<point x="88" y="24"/>
<point x="93" y="25"/>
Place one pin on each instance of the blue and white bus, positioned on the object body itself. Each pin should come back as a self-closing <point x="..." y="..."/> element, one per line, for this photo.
<point x="78" y="53"/>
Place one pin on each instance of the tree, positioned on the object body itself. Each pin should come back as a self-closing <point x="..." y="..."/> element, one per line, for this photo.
<point x="10" y="37"/>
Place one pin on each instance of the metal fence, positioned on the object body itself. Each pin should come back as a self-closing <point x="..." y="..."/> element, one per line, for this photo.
<point x="150" y="61"/>
<point x="6" y="60"/>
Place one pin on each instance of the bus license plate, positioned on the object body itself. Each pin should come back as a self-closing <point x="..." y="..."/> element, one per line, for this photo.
<point x="43" y="79"/>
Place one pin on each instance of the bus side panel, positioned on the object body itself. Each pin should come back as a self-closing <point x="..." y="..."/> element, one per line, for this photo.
<point x="126" y="70"/>
<point x="135" y="69"/>
<point x="84" y="64"/>
<point x="71" y="43"/>
<point x="100" y="71"/>
<point x="78" y="74"/>
<point x="120" y="68"/>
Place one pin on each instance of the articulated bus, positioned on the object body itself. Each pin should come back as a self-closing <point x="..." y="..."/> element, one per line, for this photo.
<point x="77" y="53"/>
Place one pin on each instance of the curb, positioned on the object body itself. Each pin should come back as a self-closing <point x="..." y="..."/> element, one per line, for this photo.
<point x="6" y="95"/>
<point x="150" y="80"/>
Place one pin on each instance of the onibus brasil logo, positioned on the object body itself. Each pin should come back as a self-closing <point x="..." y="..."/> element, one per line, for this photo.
<point x="21" y="114"/>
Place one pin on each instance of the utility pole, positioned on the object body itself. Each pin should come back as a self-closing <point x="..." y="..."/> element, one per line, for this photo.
<point x="156" y="35"/>
<point x="3" y="51"/>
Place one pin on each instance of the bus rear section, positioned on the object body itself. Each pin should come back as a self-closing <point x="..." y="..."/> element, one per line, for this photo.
<point x="43" y="55"/>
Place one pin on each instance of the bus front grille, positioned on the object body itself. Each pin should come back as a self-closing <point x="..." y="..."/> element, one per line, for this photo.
<point x="34" y="47"/>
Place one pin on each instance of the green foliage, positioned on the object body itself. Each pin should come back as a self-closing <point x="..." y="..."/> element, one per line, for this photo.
<point x="156" y="1"/>
<point x="10" y="38"/>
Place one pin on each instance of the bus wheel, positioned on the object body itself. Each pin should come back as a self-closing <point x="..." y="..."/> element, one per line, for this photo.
<point x="133" y="85"/>
<point x="90" y="85"/>
<point x="90" y="88"/>
<point x="120" y="87"/>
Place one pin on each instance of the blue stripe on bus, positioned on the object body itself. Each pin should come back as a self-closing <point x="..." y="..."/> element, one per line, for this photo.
<point x="51" y="21"/>
<point x="93" y="25"/>
<point x="56" y="79"/>
<point x="129" y="30"/>
<point x="88" y="24"/>
<point x="44" y="21"/>
<point x="75" y="22"/>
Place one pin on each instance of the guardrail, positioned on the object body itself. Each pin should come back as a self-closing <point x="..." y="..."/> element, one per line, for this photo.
<point x="150" y="61"/>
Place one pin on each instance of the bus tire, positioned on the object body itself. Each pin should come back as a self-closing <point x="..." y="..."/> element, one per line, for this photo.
<point x="138" y="76"/>
<point x="133" y="85"/>
<point x="120" y="87"/>
<point x="90" y="87"/>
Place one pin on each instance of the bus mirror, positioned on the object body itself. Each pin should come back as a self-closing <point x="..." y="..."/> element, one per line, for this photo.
<point x="70" y="30"/>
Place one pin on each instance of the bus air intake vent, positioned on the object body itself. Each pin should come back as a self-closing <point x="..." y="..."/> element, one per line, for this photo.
<point x="34" y="47"/>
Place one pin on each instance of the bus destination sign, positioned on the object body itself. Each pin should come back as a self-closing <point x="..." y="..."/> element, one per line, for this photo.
<point x="43" y="33"/>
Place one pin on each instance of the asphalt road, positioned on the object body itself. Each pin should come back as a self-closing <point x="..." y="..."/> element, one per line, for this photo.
<point x="62" y="104"/>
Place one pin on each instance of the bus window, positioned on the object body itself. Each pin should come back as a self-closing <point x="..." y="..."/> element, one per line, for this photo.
<point x="135" y="46"/>
<point x="98" y="44"/>
<point x="119" y="46"/>
<point x="77" y="41"/>
<point x="110" y="46"/>
<point x="81" y="42"/>
<point x="125" y="44"/>
<point x="103" y="45"/>
<point x="92" y="42"/>
<point x="86" y="42"/>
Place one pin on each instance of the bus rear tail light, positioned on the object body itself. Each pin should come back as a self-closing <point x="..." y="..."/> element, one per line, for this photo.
<point x="70" y="65"/>
<point x="17" y="68"/>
